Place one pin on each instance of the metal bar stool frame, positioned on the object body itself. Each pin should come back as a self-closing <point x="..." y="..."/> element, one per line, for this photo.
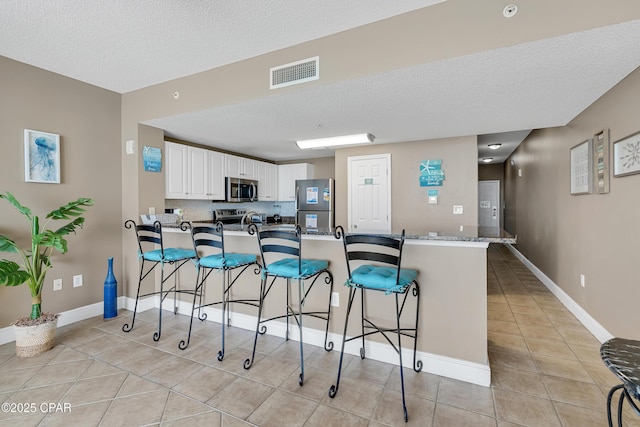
<point x="212" y="237"/>
<point x="294" y="249"/>
<point x="360" y="248"/>
<point x="152" y="235"/>
<point x="622" y="357"/>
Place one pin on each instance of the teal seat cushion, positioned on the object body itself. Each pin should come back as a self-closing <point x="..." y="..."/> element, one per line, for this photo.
<point x="170" y="254"/>
<point x="229" y="260"/>
<point x="288" y="267"/>
<point x="382" y="278"/>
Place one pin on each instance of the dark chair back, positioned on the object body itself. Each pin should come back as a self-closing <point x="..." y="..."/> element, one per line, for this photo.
<point x="207" y="239"/>
<point x="277" y="244"/>
<point x="149" y="236"/>
<point x="371" y="248"/>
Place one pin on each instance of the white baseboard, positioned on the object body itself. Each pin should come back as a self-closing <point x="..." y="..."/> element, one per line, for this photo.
<point x="581" y="314"/>
<point x="67" y="317"/>
<point x="459" y="369"/>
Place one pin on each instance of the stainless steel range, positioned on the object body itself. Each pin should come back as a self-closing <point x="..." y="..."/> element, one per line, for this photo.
<point x="229" y="216"/>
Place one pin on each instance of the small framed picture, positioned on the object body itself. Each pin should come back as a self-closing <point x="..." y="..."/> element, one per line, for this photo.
<point x="41" y="157"/>
<point x="601" y="162"/>
<point x="626" y="155"/>
<point x="581" y="168"/>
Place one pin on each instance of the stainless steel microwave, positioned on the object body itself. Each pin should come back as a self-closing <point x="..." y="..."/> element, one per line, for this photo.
<point x="241" y="190"/>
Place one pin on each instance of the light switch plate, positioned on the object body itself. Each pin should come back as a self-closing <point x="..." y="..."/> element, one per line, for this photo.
<point x="77" y="281"/>
<point x="57" y="284"/>
<point x="457" y="209"/>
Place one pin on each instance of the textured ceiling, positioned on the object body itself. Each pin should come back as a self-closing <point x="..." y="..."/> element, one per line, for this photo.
<point x="499" y="94"/>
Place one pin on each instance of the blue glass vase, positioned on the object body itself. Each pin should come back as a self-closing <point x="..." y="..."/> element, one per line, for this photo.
<point x="110" y="293"/>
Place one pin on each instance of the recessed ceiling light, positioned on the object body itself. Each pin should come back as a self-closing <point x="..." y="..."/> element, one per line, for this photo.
<point x="487" y="159"/>
<point x="510" y="11"/>
<point x="494" y="146"/>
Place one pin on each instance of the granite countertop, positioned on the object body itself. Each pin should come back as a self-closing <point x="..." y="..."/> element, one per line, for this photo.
<point x="461" y="234"/>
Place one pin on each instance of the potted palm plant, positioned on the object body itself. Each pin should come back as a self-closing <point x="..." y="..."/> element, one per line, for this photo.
<point x="35" y="333"/>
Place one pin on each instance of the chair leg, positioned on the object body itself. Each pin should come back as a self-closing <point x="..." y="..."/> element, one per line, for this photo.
<point x="404" y="403"/>
<point x="300" y="296"/>
<point x="334" y="388"/>
<point x="158" y="333"/>
<point x="224" y="313"/>
<point x="288" y="307"/>
<point x="609" y="397"/>
<point x="362" y="351"/>
<point x="620" y="402"/>
<point x="175" y="287"/>
<point x="417" y="365"/>
<point x="328" y="345"/>
<point x="126" y="327"/>
<point x="184" y="344"/>
<point x="249" y="362"/>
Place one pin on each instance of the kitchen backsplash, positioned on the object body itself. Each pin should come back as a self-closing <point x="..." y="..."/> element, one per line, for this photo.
<point x="193" y="210"/>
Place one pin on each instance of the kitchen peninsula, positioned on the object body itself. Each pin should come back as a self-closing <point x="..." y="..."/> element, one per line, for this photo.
<point x="452" y="267"/>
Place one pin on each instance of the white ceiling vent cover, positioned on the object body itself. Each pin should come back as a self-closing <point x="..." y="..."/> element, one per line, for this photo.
<point x="295" y="73"/>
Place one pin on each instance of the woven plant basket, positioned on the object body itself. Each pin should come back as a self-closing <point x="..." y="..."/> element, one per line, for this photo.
<point x="36" y="339"/>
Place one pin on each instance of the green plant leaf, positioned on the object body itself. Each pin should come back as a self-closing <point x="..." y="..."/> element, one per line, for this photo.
<point x="71" y="210"/>
<point x="11" y="199"/>
<point x="51" y="239"/>
<point x="7" y="245"/>
<point x="70" y="227"/>
<point x="11" y="275"/>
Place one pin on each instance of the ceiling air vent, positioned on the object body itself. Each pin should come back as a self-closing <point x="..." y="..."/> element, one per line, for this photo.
<point x="295" y="72"/>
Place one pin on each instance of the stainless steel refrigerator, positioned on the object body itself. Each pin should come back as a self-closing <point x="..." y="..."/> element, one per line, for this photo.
<point x="314" y="203"/>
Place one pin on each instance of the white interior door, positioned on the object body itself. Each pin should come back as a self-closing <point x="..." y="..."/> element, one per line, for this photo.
<point x="489" y="203"/>
<point x="369" y="194"/>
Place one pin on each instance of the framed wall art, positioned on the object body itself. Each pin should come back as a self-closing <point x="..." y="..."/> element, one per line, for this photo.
<point x="581" y="168"/>
<point x="601" y="162"/>
<point x="626" y="155"/>
<point x="41" y="157"/>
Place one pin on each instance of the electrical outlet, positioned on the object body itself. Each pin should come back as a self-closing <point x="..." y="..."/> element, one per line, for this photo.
<point x="582" y="280"/>
<point x="335" y="299"/>
<point x="457" y="210"/>
<point x="152" y="211"/>
<point x="77" y="281"/>
<point x="57" y="284"/>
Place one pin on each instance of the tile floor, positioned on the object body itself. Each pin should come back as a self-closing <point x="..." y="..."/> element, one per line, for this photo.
<point x="545" y="365"/>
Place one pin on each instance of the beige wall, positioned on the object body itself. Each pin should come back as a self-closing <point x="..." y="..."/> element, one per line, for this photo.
<point x="409" y="200"/>
<point x="88" y="121"/>
<point x="595" y="235"/>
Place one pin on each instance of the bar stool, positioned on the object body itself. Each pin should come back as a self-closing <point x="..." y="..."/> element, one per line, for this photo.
<point x="151" y="250"/>
<point x="208" y="243"/>
<point x="373" y="264"/>
<point x="622" y="357"/>
<point x="281" y="255"/>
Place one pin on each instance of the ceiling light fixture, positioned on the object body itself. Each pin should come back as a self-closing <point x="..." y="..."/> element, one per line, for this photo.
<point x="362" y="138"/>
<point x="487" y="159"/>
<point x="494" y="146"/>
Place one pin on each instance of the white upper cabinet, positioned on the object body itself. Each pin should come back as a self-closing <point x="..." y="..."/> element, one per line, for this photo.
<point x="216" y="166"/>
<point x="267" y="176"/>
<point x="240" y="167"/>
<point x="287" y="176"/>
<point x="193" y="173"/>
<point x="176" y="166"/>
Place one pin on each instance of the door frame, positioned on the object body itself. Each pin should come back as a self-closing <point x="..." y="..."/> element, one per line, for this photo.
<point x="350" y="160"/>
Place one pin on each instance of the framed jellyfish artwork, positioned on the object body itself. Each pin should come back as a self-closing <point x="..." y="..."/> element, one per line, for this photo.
<point x="41" y="157"/>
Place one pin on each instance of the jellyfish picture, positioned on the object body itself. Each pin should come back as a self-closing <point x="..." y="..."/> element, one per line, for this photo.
<point x="43" y="158"/>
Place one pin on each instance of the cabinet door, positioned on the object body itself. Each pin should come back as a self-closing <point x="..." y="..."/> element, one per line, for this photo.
<point x="233" y="166"/>
<point x="266" y="174"/>
<point x="287" y="176"/>
<point x="198" y="174"/>
<point x="216" y="176"/>
<point x="248" y="168"/>
<point x="176" y="170"/>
